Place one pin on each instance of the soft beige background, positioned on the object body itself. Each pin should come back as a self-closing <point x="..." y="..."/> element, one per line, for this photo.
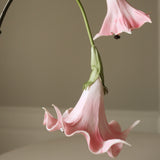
<point x="45" y="59"/>
<point x="45" y="56"/>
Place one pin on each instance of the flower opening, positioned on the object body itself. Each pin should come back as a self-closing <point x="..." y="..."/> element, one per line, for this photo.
<point x="88" y="118"/>
<point x="121" y="17"/>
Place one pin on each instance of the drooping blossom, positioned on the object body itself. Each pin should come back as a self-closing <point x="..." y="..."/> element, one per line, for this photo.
<point x="121" y="17"/>
<point x="88" y="118"/>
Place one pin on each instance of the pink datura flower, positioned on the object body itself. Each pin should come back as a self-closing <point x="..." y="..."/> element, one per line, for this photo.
<point x="121" y="17"/>
<point x="88" y="118"/>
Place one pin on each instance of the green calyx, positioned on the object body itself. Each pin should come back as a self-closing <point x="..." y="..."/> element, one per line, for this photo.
<point x="97" y="69"/>
<point x="96" y="63"/>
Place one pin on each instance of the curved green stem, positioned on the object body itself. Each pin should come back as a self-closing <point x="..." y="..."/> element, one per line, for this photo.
<point x="96" y="62"/>
<point x="86" y="22"/>
<point x="4" y="11"/>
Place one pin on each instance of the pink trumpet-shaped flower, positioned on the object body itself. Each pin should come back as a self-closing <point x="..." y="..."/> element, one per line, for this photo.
<point x="88" y="118"/>
<point x="121" y="17"/>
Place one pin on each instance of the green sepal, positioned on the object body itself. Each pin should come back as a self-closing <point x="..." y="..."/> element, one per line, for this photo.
<point x="97" y="69"/>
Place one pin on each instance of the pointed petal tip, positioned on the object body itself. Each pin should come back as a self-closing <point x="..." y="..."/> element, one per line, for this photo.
<point x="124" y="142"/>
<point x="44" y="108"/>
<point x="45" y="114"/>
<point x="54" y="106"/>
<point x="51" y="123"/>
<point x="96" y="36"/>
<point x="134" y="125"/>
<point x="128" y="144"/>
<point x="150" y="21"/>
<point x="136" y="122"/>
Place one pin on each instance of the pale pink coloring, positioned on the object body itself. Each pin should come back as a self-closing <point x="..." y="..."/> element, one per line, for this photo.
<point x="121" y="17"/>
<point x="88" y="118"/>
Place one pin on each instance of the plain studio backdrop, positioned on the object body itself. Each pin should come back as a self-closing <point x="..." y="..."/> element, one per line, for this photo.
<point x="45" y="59"/>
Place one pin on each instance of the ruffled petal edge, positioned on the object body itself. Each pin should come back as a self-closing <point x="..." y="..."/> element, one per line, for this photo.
<point x="106" y="145"/>
<point x="51" y="123"/>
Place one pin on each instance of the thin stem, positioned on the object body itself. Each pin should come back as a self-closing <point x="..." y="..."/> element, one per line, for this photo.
<point x="5" y="11"/>
<point x="96" y="62"/>
<point x="86" y="22"/>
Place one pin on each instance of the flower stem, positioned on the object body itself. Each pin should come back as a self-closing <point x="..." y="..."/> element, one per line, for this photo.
<point x="2" y="15"/>
<point x="86" y="22"/>
<point x="96" y="62"/>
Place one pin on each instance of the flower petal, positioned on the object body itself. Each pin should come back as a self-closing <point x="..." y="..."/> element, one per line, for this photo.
<point x="97" y="146"/>
<point x="115" y="149"/>
<point x="51" y="123"/>
<point x="88" y="118"/>
<point x="111" y="144"/>
<point x="121" y="17"/>
<point x="114" y="126"/>
<point x="126" y="132"/>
